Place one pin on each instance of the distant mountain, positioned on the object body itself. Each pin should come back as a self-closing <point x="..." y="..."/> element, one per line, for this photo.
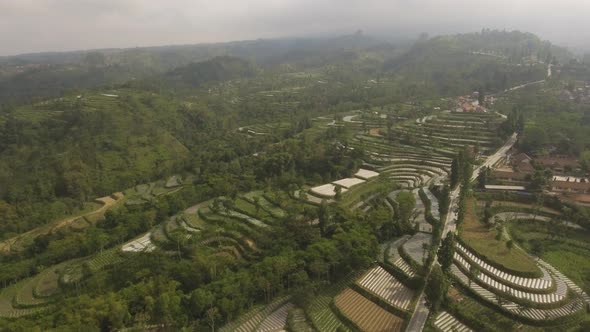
<point x="490" y="60"/>
<point x="25" y="77"/>
<point x="220" y="68"/>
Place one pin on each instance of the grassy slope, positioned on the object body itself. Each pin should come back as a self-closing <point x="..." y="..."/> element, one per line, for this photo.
<point x="567" y="250"/>
<point x="479" y="237"/>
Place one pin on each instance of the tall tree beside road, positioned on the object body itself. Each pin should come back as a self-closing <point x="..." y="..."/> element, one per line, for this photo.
<point x="446" y="252"/>
<point x="454" y="172"/>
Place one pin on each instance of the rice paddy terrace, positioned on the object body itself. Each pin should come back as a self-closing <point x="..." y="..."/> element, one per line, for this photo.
<point x="514" y="283"/>
<point x="420" y="152"/>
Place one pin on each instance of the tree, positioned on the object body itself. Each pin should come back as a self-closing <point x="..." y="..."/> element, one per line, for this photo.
<point x="425" y="247"/>
<point x="323" y="216"/>
<point x="444" y="201"/>
<point x="257" y="204"/>
<point x="481" y="98"/>
<point x="338" y="192"/>
<point x="455" y="176"/>
<point x="482" y="177"/>
<point x="499" y="232"/>
<point x="212" y="315"/>
<point x="447" y="252"/>
<point x="509" y="244"/>
<point x="406" y="204"/>
<point x="473" y="273"/>
<point x="436" y="288"/>
<point x="488" y="213"/>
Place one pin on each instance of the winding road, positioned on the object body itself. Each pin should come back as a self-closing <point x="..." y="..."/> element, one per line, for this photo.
<point x="421" y="313"/>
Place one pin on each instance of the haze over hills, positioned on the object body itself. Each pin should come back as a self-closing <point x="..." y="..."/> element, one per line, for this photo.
<point x="50" y="74"/>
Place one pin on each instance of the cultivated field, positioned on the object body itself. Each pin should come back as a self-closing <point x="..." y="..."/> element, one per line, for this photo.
<point x="483" y="240"/>
<point x="387" y="287"/>
<point x="367" y="315"/>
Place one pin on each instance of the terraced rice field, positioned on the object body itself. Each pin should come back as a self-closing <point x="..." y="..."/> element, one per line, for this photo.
<point x="320" y="311"/>
<point x="250" y="321"/>
<point x="73" y="271"/>
<point x="543" y="283"/>
<point x="367" y="315"/>
<point x="423" y="149"/>
<point x="8" y="310"/>
<point x="326" y="190"/>
<point x="147" y="192"/>
<point x="348" y="182"/>
<point x="447" y="323"/>
<point x="31" y="295"/>
<point x="481" y="239"/>
<point x="490" y="283"/>
<point x="140" y="244"/>
<point x="365" y="174"/>
<point x="387" y="287"/>
<point x="569" y="308"/>
<point x="298" y="321"/>
<point x="265" y="204"/>
<point x="276" y="321"/>
<point x="491" y="319"/>
<point x="401" y="264"/>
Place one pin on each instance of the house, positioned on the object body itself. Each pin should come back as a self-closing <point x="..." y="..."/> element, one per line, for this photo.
<point x="570" y="187"/>
<point x="558" y="164"/>
<point x="522" y="163"/>
<point x="491" y="187"/>
<point x="509" y="176"/>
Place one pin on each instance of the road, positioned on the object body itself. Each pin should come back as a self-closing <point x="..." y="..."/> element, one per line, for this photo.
<point x="421" y="313"/>
<point x="451" y="221"/>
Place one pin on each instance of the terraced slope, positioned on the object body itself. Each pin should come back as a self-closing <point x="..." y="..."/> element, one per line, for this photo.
<point x="250" y="321"/>
<point x="365" y="314"/>
<point x="447" y="323"/>
<point x="420" y="152"/>
<point x="387" y="287"/>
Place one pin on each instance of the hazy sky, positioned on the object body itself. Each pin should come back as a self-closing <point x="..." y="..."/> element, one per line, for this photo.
<point x="55" y="25"/>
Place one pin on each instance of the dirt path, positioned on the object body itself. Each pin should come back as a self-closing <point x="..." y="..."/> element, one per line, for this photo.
<point x="107" y="202"/>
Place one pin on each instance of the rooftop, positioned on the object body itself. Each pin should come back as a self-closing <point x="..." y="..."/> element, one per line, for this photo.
<point x="509" y="188"/>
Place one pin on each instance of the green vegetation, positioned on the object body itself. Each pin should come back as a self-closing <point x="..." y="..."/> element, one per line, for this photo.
<point x="213" y="160"/>
<point x="565" y="248"/>
<point x="485" y="241"/>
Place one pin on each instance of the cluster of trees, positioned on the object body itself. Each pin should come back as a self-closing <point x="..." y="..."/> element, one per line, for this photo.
<point x="461" y="168"/>
<point x="199" y="292"/>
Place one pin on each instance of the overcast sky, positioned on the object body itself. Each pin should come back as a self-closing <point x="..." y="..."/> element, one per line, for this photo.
<point x="59" y="25"/>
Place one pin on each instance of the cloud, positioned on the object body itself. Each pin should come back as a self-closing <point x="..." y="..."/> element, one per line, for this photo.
<point x="53" y="25"/>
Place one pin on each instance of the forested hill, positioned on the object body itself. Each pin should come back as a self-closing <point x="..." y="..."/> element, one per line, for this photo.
<point x="92" y="142"/>
<point x="490" y="60"/>
<point x="214" y="70"/>
<point x="30" y="76"/>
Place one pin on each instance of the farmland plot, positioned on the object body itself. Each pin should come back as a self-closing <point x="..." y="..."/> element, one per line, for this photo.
<point x="386" y="286"/>
<point x="326" y="190"/>
<point x="348" y="182"/>
<point x="365" y="174"/>
<point x="141" y="244"/>
<point x="367" y="315"/>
